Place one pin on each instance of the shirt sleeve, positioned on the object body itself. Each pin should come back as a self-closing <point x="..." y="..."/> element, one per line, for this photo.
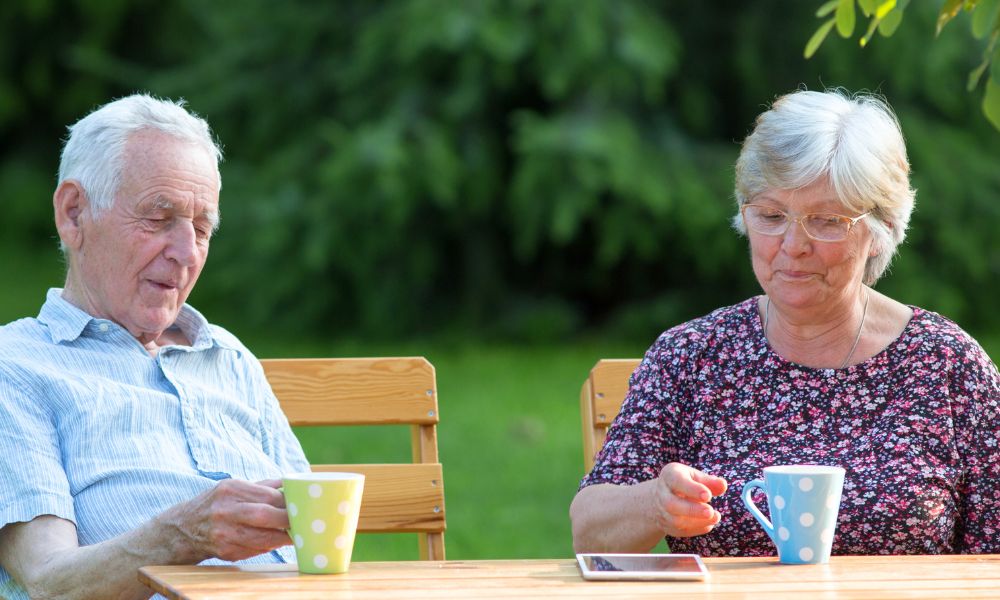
<point x="643" y="437"/>
<point x="975" y="386"/>
<point x="33" y="481"/>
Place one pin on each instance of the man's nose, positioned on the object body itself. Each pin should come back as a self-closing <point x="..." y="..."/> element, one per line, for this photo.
<point x="182" y="247"/>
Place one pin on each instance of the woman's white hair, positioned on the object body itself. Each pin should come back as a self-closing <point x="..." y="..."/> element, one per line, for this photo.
<point x="853" y="141"/>
<point x="94" y="153"/>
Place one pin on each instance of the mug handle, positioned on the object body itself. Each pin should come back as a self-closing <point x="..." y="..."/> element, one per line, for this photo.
<point x="764" y="522"/>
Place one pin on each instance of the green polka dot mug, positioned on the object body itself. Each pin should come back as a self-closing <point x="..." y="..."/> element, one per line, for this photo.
<point x="803" y="501"/>
<point x="323" y="510"/>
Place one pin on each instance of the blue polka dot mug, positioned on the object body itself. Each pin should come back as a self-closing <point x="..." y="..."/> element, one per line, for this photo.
<point x="803" y="501"/>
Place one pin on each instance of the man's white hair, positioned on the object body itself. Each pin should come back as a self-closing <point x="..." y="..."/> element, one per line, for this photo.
<point x="94" y="153"/>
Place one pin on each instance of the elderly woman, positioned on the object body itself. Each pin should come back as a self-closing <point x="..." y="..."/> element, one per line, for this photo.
<point x="821" y="369"/>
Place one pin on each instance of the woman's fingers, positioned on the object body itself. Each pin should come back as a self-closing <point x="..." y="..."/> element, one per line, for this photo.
<point x="683" y="499"/>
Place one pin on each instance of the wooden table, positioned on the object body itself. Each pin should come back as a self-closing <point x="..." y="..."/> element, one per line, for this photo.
<point x="844" y="577"/>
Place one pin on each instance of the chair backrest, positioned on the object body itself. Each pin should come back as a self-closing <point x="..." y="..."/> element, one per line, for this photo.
<point x="376" y="391"/>
<point x="600" y="400"/>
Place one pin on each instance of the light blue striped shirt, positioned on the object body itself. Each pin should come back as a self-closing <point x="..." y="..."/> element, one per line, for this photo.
<point x="96" y="431"/>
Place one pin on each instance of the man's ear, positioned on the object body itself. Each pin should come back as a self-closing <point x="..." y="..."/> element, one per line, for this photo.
<point x="69" y="202"/>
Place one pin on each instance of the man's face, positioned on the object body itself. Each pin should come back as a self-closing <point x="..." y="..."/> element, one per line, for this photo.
<point x="138" y="261"/>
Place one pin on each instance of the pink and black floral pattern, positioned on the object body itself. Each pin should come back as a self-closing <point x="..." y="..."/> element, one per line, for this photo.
<point x="916" y="427"/>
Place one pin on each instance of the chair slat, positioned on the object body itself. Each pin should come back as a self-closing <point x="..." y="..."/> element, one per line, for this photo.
<point x="343" y="391"/>
<point x="609" y="381"/>
<point x="398" y="497"/>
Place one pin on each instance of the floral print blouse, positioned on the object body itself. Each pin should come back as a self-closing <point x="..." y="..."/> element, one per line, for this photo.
<point x="916" y="427"/>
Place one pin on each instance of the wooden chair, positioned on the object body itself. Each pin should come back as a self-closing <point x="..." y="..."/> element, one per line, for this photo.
<point x="600" y="400"/>
<point x="376" y="391"/>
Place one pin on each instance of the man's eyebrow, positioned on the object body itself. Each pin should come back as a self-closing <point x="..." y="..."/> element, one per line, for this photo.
<point x="212" y="216"/>
<point x="209" y="214"/>
<point x="162" y="203"/>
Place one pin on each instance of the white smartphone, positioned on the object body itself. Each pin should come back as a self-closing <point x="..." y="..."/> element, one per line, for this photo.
<point x="642" y="566"/>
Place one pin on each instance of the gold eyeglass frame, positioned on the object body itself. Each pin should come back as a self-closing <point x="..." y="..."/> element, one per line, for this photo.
<point x="789" y="219"/>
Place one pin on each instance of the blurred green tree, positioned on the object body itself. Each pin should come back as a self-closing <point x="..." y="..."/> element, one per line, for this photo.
<point x="525" y="168"/>
<point x="885" y="16"/>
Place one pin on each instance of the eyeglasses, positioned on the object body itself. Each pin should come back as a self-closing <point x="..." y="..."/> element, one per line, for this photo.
<point x="823" y="227"/>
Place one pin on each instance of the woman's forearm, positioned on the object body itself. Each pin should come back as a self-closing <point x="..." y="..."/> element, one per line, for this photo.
<point x="615" y="518"/>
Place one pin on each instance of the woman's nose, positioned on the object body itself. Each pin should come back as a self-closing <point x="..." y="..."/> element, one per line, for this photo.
<point x="795" y="240"/>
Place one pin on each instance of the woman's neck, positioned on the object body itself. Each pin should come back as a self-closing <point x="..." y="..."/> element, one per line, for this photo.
<point x="825" y="339"/>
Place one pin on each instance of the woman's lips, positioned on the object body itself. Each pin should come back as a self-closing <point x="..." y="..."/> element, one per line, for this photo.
<point x="795" y="275"/>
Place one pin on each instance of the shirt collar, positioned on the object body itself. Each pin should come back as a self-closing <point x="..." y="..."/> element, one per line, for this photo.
<point x="67" y="322"/>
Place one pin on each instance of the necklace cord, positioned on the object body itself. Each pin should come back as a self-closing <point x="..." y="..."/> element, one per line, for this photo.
<point x="857" y="337"/>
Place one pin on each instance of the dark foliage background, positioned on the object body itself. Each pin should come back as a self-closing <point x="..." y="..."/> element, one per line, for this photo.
<point x="523" y="169"/>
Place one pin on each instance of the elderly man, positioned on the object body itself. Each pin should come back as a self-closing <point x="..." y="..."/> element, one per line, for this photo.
<point x="133" y="432"/>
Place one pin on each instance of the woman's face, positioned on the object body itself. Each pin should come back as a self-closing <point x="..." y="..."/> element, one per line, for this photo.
<point x="799" y="272"/>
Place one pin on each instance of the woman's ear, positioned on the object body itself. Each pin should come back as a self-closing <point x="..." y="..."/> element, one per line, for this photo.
<point x="69" y="202"/>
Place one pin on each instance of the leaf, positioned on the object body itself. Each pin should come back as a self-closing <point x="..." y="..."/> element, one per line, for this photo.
<point x="948" y="12"/>
<point x="845" y="18"/>
<point x="995" y="71"/>
<point x="890" y="23"/>
<point x="991" y="103"/>
<point x="976" y="74"/>
<point x="884" y="8"/>
<point x="818" y="37"/>
<point x="984" y="18"/>
<point x="827" y="8"/>
<point x="868" y="7"/>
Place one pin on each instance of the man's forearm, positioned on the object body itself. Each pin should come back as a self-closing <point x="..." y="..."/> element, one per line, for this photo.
<point x="43" y="555"/>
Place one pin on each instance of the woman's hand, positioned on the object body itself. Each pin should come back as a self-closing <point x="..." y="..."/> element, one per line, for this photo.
<point x="680" y="500"/>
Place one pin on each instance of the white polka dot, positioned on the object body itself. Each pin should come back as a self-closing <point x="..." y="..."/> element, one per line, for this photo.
<point x="807" y="519"/>
<point x="299" y="542"/>
<point x="826" y="536"/>
<point x="292" y="509"/>
<point x="832" y="501"/>
<point x="320" y="561"/>
<point x="344" y="507"/>
<point x="806" y="554"/>
<point x="319" y="526"/>
<point x="315" y="490"/>
<point x="779" y="503"/>
<point x="784" y="534"/>
<point x="341" y="542"/>
<point x="806" y="484"/>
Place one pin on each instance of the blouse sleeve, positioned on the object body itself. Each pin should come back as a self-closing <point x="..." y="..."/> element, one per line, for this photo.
<point x="975" y="387"/>
<point x="644" y="436"/>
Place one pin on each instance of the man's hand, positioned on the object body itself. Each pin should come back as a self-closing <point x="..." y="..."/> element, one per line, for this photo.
<point x="681" y="497"/>
<point x="232" y="521"/>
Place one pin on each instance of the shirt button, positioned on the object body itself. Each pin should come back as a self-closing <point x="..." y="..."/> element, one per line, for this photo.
<point x="103" y="327"/>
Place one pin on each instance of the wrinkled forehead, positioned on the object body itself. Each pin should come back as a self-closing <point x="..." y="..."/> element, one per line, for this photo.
<point x="154" y="152"/>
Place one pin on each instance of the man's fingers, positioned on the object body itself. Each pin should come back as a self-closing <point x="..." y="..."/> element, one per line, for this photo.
<point x="262" y="516"/>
